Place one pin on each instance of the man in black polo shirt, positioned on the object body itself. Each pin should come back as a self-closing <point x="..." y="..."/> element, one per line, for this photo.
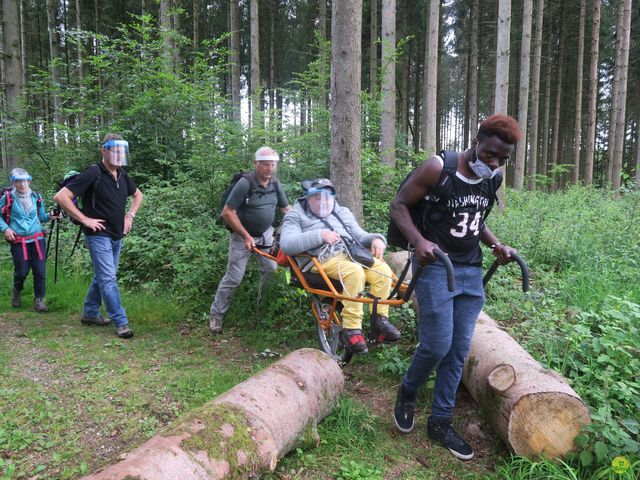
<point x="104" y="188"/>
<point x="249" y="211"/>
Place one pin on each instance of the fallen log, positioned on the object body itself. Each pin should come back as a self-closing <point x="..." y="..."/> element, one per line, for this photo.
<point x="244" y="431"/>
<point x="533" y="410"/>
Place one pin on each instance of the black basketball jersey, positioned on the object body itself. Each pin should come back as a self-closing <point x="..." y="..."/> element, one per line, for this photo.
<point x="457" y="232"/>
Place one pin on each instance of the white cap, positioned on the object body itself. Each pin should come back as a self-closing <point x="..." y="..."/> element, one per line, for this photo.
<point x="266" y="154"/>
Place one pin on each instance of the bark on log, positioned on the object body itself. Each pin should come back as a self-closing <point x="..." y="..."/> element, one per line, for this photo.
<point x="532" y="409"/>
<point x="244" y="431"/>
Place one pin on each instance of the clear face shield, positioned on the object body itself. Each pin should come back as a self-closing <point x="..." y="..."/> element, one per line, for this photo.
<point x="117" y="152"/>
<point x="20" y="179"/>
<point x="321" y="201"/>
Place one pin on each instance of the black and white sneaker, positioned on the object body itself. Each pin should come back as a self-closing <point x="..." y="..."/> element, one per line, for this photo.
<point x="403" y="411"/>
<point x="443" y="432"/>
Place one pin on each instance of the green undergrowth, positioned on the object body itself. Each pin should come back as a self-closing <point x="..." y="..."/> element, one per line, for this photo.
<point x="73" y="398"/>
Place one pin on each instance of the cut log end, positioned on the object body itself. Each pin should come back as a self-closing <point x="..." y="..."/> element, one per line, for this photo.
<point x="502" y="378"/>
<point x="545" y="424"/>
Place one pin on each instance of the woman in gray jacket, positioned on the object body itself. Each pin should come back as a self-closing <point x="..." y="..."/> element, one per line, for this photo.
<point x="318" y="226"/>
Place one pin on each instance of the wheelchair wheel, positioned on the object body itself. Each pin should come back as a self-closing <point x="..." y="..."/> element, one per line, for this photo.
<point x="329" y="326"/>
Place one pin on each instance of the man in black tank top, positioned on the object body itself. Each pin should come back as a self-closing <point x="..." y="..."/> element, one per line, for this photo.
<point x="447" y="319"/>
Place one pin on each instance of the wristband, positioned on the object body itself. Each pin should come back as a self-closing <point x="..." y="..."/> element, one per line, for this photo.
<point x="495" y="245"/>
<point x="133" y="215"/>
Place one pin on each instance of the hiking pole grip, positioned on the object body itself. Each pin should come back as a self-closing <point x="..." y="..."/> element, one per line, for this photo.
<point x="451" y="280"/>
<point x="523" y="269"/>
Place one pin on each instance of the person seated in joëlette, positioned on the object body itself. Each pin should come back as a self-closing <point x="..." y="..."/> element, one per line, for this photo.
<point x="318" y="226"/>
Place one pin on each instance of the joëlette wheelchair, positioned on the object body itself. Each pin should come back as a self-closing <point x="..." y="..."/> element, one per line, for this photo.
<point x="327" y="295"/>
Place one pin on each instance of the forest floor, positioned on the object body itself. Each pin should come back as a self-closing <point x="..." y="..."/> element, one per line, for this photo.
<point x="75" y="398"/>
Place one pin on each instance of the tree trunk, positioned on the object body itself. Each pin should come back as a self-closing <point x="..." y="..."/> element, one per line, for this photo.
<point x="196" y="24"/>
<point x="244" y="431"/>
<point x="533" y="410"/>
<point x="555" y="134"/>
<point x="388" y="114"/>
<point x="430" y="80"/>
<point x="373" y="50"/>
<point x="593" y="95"/>
<point x="322" y="20"/>
<point x="621" y="72"/>
<point x="578" y="118"/>
<point x="535" y="95"/>
<point x="403" y="79"/>
<point x="79" y="48"/>
<point x="176" y="56"/>
<point x="501" y="96"/>
<point x="346" y="25"/>
<point x="547" y="103"/>
<point x="255" y="61"/>
<point x="473" y="75"/>
<point x="23" y="42"/>
<point x="234" y="58"/>
<point x="52" y="28"/>
<point x="165" y="27"/>
<point x="417" y="90"/>
<point x="502" y="57"/>
<point x="523" y="98"/>
<point x="613" y="123"/>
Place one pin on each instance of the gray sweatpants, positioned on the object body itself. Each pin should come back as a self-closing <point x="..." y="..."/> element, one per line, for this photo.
<point x="236" y="266"/>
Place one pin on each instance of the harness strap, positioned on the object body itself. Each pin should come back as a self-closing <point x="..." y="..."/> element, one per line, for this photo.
<point x="25" y="240"/>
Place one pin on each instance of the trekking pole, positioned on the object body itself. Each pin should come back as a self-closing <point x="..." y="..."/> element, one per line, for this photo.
<point x="50" y="236"/>
<point x="55" y="264"/>
<point x="75" y="244"/>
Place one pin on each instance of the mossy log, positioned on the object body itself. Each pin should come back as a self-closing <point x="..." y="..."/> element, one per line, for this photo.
<point x="532" y="409"/>
<point x="244" y="431"/>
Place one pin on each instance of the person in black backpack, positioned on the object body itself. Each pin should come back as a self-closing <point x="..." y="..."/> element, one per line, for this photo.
<point x="21" y="223"/>
<point x="104" y="223"/>
<point x="447" y="319"/>
<point x="249" y="212"/>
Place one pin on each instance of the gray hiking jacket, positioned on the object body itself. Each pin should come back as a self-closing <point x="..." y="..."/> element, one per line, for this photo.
<point x="301" y="231"/>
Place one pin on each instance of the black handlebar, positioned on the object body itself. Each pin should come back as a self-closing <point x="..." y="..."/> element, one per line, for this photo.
<point x="451" y="281"/>
<point x="523" y="268"/>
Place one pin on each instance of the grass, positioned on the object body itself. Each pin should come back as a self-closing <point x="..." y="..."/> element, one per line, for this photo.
<point x="73" y="398"/>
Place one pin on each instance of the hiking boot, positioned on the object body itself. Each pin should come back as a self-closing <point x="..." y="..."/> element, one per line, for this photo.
<point x="16" y="301"/>
<point x="215" y="325"/>
<point x="99" y="320"/>
<point x="403" y="412"/>
<point x="123" y="331"/>
<point x="39" y="306"/>
<point x="443" y="432"/>
<point x="354" y="341"/>
<point x="382" y="330"/>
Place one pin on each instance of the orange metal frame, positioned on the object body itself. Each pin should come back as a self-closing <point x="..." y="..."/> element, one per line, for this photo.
<point x="331" y="291"/>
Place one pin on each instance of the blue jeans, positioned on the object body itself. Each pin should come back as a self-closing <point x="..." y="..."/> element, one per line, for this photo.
<point x="105" y="254"/>
<point x="21" y="267"/>
<point x="446" y="325"/>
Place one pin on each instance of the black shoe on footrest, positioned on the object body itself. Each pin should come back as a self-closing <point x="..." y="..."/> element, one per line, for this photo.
<point x="382" y="330"/>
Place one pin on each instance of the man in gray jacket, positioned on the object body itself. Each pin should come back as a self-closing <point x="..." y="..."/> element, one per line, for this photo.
<point x="318" y="226"/>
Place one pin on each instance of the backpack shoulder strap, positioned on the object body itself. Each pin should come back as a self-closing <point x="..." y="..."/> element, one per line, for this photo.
<point x="444" y="187"/>
<point x="6" y="209"/>
<point x="253" y="184"/>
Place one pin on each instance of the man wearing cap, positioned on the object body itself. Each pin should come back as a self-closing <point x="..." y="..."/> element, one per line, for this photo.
<point x="317" y="225"/>
<point x="249" y="212"/>
<point x="105" y="188"/>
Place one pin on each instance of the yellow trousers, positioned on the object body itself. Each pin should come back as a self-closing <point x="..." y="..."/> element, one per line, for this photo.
<point x="353" y="277"/>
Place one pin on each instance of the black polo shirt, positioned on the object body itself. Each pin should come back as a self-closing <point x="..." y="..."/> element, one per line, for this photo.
<point x="97" y="187"/>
